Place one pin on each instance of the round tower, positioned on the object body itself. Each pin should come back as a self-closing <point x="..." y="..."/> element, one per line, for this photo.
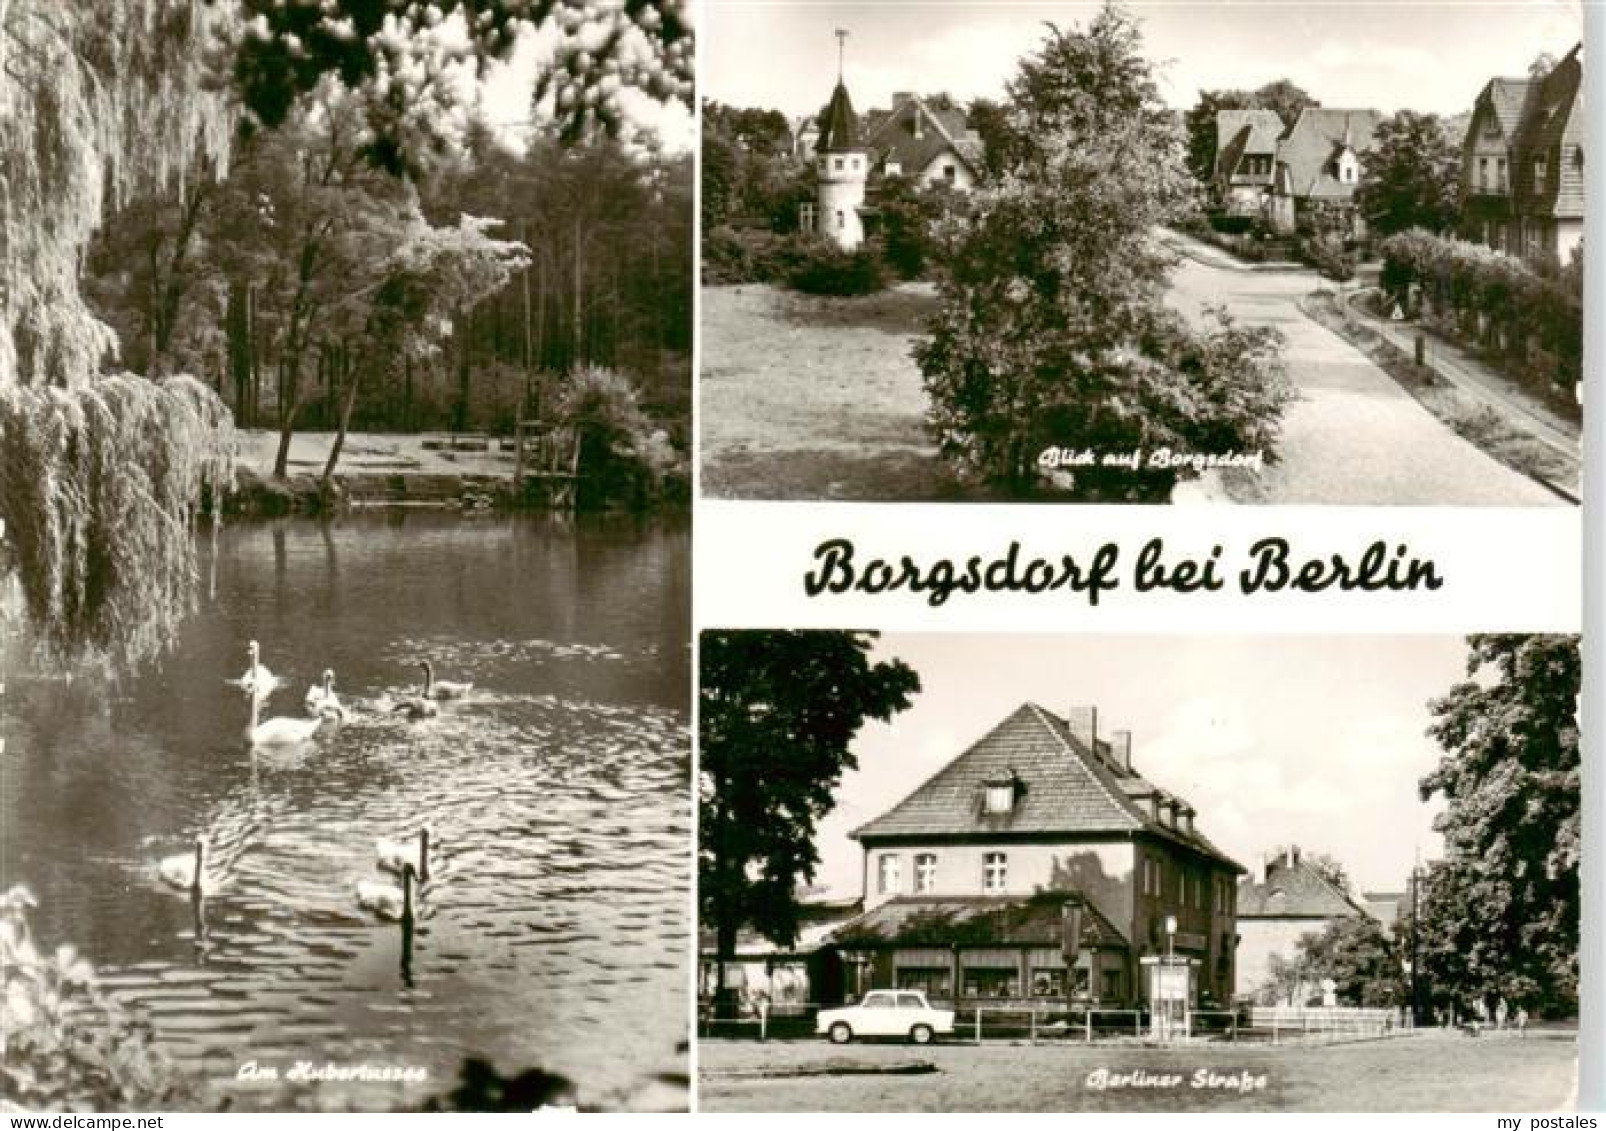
<point x="842" y="166"/>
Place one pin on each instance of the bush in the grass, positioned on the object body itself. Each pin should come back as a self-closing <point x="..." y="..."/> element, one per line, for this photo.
<point x="1328" y="255"/>
<point x="824" y="269"/>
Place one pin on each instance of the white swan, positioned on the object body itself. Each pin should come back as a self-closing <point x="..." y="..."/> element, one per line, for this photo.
<point x="278" y="731"/>
<point x="321" y="698"/>
<point x="257" y="679"/>
<point x="394" y="855"/>
<point x="444" y="688"/>
<point x="187" y="871"/>
<point x="387" y="900"/>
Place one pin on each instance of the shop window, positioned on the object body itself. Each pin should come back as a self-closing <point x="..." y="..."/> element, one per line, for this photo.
<point x="933" y="982"/>
<point x="1111" y="985"/>
<point x="1002" y="983"/>
<point x="1048" y="982"/>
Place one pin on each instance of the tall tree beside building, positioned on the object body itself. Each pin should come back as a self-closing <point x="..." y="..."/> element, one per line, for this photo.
<point x="778" y="715"/>
<point x="1412" y="178"/>
<point x="1500" y="914"/>
<point x="1053" y="328"/>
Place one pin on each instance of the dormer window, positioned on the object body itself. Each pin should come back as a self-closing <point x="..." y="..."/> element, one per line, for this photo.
<point x="1000" y="794"/>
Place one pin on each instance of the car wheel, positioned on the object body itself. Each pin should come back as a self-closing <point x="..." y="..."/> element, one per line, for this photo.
<point x="921" y="1034"/>
<point x="840" y="1033"/>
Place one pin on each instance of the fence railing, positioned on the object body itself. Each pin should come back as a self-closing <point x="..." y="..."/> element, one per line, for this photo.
<point x="1294" y="1022"/>
<point x="1036" y="1022"/>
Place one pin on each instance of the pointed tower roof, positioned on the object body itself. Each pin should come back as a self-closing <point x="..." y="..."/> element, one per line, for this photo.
<point x="839" y="125"/>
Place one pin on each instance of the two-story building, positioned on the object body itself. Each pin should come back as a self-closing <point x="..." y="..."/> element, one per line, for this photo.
<point x="1040" y="866"/>
<point x="1320" y="162"/>
<point x="1522" y="163"/>
<point x="1281" y="902"/>
<point x="930" y="145"/>
<point x="1246" y="159"/>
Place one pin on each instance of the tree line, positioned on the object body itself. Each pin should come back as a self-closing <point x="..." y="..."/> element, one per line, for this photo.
<point x="317" y="290"/>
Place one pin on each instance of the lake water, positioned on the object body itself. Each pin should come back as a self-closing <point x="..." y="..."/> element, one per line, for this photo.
<point x="555" y="930"/>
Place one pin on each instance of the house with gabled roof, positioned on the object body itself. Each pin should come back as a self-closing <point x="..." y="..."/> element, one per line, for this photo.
<point x="1320" y="161"/>
<point x="1039" y="866"/>
<point x="1522" y="163"/>
<point x="925" y="143"/>
<point x="1246" y="159"/>
<point x="1284" y="900"/>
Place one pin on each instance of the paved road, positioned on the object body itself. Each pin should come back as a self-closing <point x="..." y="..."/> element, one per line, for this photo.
<point x="1354" y="436"/>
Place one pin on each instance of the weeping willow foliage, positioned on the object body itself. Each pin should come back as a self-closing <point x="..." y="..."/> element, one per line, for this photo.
<point x="97" y="101"/>
<point x="101" y="476"/>
<point x="102" y="486"/>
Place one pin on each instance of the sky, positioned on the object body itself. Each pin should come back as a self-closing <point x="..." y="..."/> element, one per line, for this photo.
<point x="1386" y="55"/>
<point x="1315" y="740"/>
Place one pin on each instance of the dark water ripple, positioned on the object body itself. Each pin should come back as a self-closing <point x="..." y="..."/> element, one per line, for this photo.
<point x="554" y="930"/>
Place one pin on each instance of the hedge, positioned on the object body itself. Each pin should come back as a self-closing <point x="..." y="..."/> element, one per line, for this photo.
<point x="1535" y="325"/>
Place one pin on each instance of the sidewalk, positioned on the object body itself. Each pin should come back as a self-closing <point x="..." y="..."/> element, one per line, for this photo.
<point x="1469" y="374"/>
<point x="1212" y="256"/>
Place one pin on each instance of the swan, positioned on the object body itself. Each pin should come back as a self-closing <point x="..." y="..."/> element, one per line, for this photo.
<point x="394" y="855"/>
<point x="416" y="707"/>
<point x="321" y="698"/>
<point x="257" y="678"/>
<point x="186" y="871"/>
<point x="387" y="900"/>
<point x="278" y="731"/>
<point x="444" y="688"/>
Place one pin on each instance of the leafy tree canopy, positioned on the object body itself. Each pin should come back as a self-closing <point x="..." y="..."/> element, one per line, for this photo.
<point x="402" y="54"/>
<point x="1412" y="177"/>
<point x="1500" y="914"/>
<point x="778" y="715"/>
<point x="1053" y="329"/>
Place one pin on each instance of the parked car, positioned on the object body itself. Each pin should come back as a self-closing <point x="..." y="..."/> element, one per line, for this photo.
<point x="886" y="1013"/>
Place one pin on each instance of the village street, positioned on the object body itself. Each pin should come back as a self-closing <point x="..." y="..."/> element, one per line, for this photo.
<point x="1354" y="436"/>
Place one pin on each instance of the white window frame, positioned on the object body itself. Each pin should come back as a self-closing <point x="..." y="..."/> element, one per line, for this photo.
<point x="994" y="873"/>
<point x="889" y="868"/>
<point x="925" y="873"/>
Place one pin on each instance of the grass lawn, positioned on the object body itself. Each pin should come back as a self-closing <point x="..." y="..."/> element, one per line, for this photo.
<point x="1427" y="1071"/>
<point x="806" y="397"/>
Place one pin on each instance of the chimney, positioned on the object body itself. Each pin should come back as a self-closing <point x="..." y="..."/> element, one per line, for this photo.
<point x="919" y="123"/>
<point x="1263" y="869"/>
<point x="901" y="97"/>
<point x="1291" y="856"/>
<point x="1121" y="750"/>
<point x="1084" y="724"/>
